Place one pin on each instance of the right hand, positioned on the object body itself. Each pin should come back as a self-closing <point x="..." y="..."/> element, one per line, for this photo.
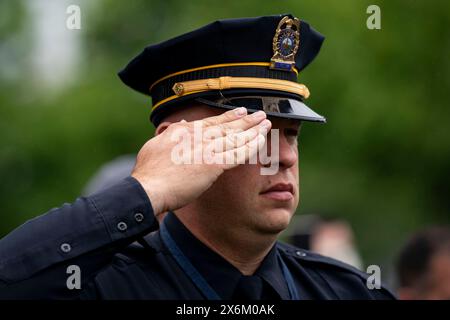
<point x="170" y="186"/>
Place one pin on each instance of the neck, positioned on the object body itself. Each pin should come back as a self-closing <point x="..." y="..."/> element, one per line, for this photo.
<point x="241" y="247"/>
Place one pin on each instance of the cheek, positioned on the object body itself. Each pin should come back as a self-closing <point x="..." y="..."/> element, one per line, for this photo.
<point x="245" y="174"/>
<point x="239" y="179"/>
<point x="242" y="181"/>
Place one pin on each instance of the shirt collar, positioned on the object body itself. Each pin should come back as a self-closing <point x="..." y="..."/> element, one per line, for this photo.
<point x="222" y="276"/>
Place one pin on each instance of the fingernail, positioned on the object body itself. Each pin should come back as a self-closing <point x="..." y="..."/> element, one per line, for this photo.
<point x="259" y="115"/>
<point x="240" y="111"/>
<point x="265" y="125"/>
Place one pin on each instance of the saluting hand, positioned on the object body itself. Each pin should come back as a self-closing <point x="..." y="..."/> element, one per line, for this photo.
<point x="170" y="184"/>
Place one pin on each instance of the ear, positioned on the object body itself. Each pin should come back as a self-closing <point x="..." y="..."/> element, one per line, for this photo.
<point x="162" y="126"/>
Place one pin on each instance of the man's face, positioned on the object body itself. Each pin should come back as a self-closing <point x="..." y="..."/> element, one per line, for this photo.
<point x="245" y="198"/>
<point x="434" y="285"/>
<point x="439" y="277"/>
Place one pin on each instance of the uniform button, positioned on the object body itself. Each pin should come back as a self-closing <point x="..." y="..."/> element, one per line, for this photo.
<point x="66" y="248"/>
<point x="122" y="226"/>
<point x="300" y="254"/>
<point x="139" y="217"/>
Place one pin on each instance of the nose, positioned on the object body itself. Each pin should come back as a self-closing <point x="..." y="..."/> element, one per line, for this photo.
<point x="287" y="148"/>
<point x="288" y="151"/>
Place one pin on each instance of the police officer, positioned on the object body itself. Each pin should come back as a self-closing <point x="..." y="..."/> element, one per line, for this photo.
<point x="201" y="230"/>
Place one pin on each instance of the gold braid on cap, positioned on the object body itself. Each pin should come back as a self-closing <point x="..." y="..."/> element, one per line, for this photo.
<point x="222" y="83"/>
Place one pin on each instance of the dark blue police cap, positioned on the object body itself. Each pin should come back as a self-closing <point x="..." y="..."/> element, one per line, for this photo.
<point x="251" y="62"/>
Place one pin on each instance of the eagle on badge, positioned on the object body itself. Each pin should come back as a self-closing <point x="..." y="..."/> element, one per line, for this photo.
<point x="285" y="44"/>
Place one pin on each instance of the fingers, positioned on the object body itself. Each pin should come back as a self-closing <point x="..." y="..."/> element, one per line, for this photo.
<point x="243" y="123"/>
<point x="242" y="147"/>
<point x="236" y="119"/>
<point x="234" y="140"/>
<point x="240" y="155"/>
<point x="233" y="137"/>
<point x="225" y="117"/>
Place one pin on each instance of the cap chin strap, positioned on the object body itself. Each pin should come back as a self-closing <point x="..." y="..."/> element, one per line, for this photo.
<point x="185" y="88"/>
<point x="223" y="83"/>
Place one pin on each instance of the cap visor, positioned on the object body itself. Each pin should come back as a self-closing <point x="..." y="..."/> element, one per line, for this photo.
<point x="286" y="107"/>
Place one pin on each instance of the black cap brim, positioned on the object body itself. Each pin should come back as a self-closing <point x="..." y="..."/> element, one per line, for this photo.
<point x="288" y="109"/>
<point x="293" y="106"/>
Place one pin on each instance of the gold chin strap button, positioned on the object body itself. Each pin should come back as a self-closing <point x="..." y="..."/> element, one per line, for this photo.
<point x="178" y="88"/>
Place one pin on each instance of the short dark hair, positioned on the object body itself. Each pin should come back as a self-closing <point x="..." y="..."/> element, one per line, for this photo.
<point x="414" y="258"/>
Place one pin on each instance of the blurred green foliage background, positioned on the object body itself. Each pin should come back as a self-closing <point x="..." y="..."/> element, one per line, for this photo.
<point x="382" y="161"/>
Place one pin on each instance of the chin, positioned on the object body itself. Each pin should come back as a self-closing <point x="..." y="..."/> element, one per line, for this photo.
<point x="275" y="220"/>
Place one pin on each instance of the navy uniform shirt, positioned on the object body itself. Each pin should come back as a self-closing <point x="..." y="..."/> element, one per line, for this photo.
<point x="113" y="238"/>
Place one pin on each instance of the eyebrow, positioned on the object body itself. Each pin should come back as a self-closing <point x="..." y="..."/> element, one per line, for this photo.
<point x="296" y="122"/>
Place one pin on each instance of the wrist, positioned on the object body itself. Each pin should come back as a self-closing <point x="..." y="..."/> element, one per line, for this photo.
<point x="154" y="194"/>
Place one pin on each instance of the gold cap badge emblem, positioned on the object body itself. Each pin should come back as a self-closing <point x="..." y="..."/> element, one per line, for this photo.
<point x="285" y="44"/>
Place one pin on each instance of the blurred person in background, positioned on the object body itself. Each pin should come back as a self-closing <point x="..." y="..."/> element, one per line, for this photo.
<point x="110" y="173"/>
<point x="423" y="265"/>
<point x="331" y="237"/>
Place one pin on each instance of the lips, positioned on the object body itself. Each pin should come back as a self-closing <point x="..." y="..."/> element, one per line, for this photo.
<point x="279" y="191"/>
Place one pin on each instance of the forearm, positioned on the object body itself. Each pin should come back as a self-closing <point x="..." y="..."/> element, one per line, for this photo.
<point x="87" y="232"/>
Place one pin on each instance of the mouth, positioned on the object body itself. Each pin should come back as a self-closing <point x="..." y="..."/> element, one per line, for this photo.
<point x="279" y="192"/>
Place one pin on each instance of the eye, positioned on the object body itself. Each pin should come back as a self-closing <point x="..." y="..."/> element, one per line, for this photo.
<point x="291" y="136"/>
<point x="291" y="132"/>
